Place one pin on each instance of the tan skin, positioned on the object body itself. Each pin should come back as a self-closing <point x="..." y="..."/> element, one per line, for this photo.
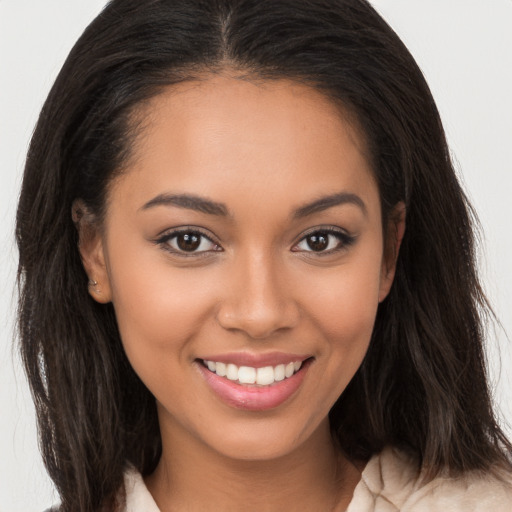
<point x="253" y="284"/>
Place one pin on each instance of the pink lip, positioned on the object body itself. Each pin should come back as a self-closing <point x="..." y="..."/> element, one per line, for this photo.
<point x="250" y="397"/>
<point x="256" y="360"/>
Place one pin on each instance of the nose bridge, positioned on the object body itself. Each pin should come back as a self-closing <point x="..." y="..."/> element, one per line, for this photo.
<point x="258" y="302"/>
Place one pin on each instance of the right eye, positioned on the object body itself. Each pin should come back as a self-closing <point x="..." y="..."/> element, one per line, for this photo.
<point x="188" y="243"/>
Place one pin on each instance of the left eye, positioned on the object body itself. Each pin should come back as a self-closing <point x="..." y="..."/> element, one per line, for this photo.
<point x="189" y="241"/>
<point x="323" y="241"/>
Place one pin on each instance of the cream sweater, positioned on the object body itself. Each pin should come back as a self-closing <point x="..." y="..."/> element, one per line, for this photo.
<point x="389" y="483"/>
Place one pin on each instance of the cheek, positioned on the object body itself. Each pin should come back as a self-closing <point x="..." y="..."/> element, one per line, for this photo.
<point x="159" y="309"/>
<point x="342" y="307"/>
<point x="159" y="319"/>
<point x="344" y="302"/>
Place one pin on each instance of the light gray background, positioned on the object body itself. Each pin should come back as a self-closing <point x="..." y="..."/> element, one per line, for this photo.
<point x="464" y="47"/>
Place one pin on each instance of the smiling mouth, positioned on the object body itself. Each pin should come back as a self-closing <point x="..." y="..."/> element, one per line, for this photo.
<point x="255" y="388"/>
<point x="248" y="375"/>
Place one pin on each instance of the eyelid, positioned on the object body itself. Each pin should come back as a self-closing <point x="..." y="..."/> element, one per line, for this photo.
<point x="346" y="239"/>
<point x="163" y="238"/>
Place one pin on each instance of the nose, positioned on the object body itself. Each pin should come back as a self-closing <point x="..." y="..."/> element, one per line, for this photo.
<point x="258" y="298"/>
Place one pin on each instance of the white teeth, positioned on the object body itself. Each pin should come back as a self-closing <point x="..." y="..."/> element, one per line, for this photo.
<point x="279" y="372"/>
<point x="265" y="376"/>
<point x="248" y="375"/>
<point x="220" y="369"/>
<point x="232" y="372"/>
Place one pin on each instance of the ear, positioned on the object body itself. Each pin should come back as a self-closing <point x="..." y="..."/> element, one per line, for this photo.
<point x="394" y="235"/>
<point x="92" y="252"/>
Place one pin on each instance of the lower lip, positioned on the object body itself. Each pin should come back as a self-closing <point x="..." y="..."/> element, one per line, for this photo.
<point x="253" y="398"/>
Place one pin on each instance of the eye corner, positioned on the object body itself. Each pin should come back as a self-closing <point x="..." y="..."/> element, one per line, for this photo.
<point x="196" y="237"/>
<point x="343" y="241"/>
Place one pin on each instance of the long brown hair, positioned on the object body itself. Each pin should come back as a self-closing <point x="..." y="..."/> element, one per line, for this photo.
<point x="422" y="386"/>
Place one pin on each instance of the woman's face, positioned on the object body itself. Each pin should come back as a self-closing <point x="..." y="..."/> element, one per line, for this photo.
<point x="244" y="237"/>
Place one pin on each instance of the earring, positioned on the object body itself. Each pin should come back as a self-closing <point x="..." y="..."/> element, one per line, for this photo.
<point x="93" y="284"/>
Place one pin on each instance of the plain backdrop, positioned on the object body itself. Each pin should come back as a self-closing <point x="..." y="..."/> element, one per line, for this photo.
<point x="464" y="48"/>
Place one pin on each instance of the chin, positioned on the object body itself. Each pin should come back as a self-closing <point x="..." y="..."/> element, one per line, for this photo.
<point x="262" y="440"/>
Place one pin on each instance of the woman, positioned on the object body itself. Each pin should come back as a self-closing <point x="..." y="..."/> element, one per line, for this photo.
<point x="240" y="234"/>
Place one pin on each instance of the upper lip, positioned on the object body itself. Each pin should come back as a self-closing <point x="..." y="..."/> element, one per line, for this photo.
<point x="256" y="360"/>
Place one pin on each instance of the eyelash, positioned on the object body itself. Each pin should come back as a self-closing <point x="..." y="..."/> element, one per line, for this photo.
<point x="164" y="240"/>
<point x="344" y="241"/>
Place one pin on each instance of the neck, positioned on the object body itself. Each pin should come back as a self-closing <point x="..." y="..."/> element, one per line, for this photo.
<point x="193" y="477"/>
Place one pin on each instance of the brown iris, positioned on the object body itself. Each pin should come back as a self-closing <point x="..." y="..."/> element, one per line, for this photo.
<point x="318" y="241"/>
<point x="188" y="241"/>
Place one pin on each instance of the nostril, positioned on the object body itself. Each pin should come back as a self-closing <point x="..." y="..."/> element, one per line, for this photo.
<point x="258" y="322"/>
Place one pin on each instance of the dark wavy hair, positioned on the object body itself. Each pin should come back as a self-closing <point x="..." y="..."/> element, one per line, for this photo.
<point x="422" y="386"/>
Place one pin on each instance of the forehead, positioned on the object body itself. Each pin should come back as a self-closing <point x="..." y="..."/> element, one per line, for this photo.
<point x="225" y="134"/>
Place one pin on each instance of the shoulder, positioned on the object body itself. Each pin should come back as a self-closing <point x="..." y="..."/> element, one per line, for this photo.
<point x="136" y="494"/>
<point x="473" y="492"/>
<point x="391" y="481"/>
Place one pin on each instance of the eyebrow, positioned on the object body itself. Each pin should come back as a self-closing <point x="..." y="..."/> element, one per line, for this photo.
<point x="328" y="202"/>
<point x="204" y="205"/>
<point x="188" y="201"/>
